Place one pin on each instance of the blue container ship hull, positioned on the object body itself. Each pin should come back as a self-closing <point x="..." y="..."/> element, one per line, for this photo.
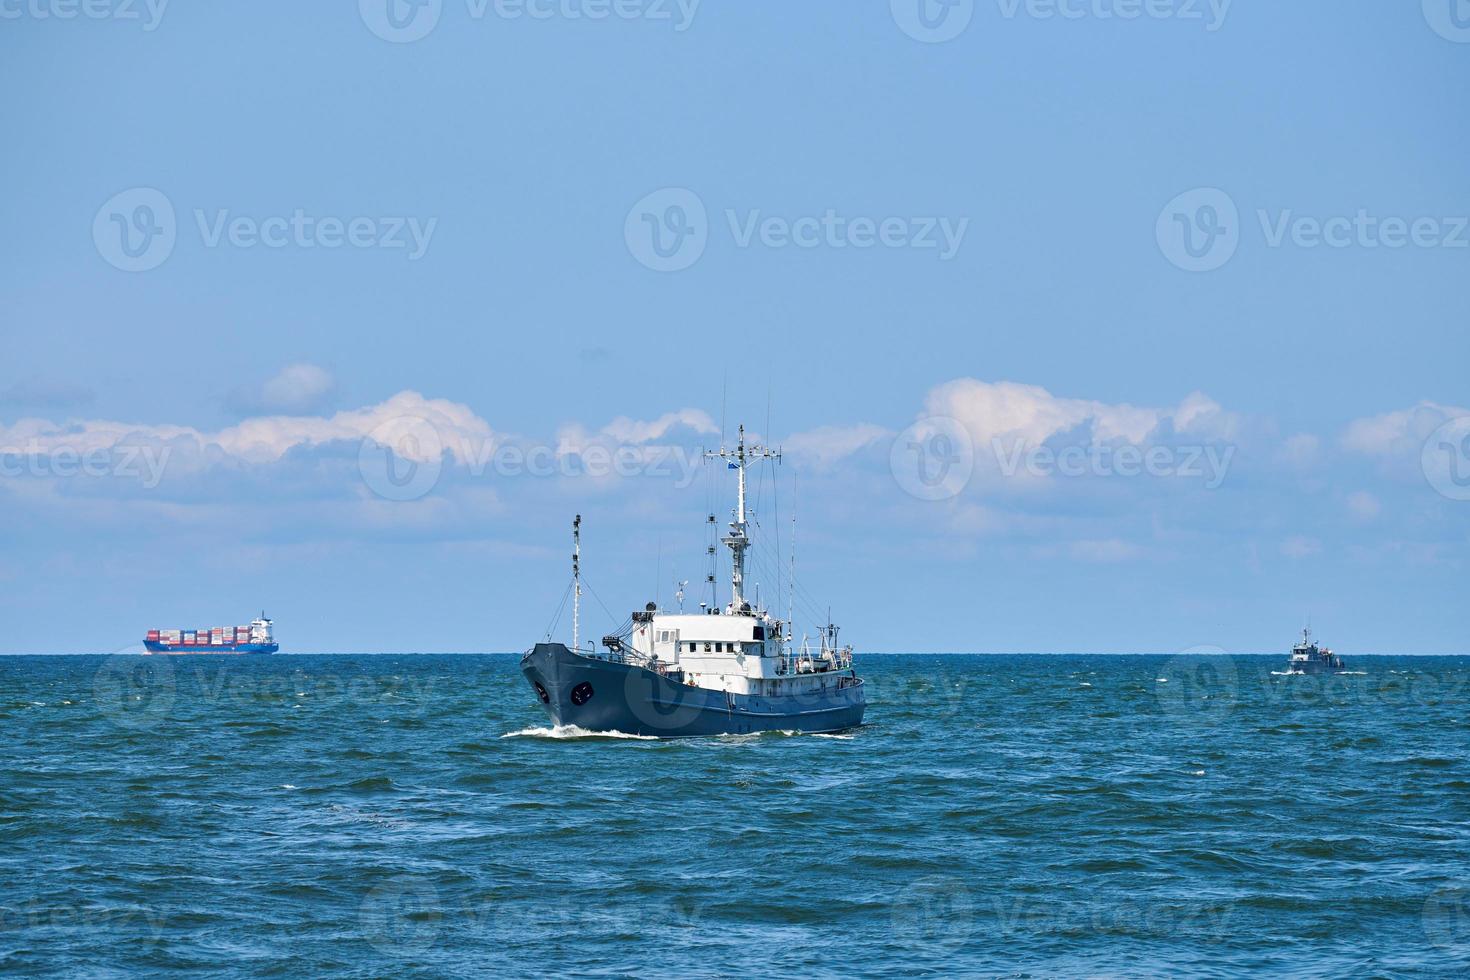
<point x="156" y="646"/>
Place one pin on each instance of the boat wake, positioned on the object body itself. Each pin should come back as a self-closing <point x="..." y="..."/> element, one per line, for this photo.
<point x="573" y="731"/>
<point x="781" y="732"/>
<point x="576" y="731"/>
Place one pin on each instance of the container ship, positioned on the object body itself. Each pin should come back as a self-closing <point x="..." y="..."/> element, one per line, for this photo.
<point x="255" y="638"/>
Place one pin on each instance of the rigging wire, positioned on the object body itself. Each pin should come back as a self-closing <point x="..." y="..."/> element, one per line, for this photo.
<point x="610" y="616"/>
<point x="805" y="602"/>
<point x="556" y="618"/>
<point x="776" y="508"/>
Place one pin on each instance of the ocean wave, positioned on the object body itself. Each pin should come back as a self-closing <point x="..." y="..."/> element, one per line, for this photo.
<point x="1020" y="828"/>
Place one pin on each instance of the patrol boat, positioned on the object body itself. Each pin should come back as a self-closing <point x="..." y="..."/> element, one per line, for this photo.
<point x="725" y="670"/>
<point x="1308" y="658"/>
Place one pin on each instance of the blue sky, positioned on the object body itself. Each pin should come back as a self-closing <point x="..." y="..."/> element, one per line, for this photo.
<point x="1033" y="178"/>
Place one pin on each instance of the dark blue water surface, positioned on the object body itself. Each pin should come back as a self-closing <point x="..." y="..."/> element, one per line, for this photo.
<point x="999" y="815"/>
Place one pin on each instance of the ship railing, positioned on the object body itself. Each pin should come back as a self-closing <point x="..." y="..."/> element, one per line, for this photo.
<point x="806" y="661"/>
<point x="630" y="657"/>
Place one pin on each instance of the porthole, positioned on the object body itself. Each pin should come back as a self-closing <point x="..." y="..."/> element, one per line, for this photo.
<point x="582" y="693"/>
<point x="541" y="693"/>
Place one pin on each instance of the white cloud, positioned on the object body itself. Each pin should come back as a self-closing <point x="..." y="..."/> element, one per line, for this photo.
<point x="268" y="438"/>
<point x="297" y="389"/>
<point x="1030" y="415"/>
<point x="829" y="444"/>
<point x="1398" y="433"/>
<point x="1200" y="415"/>
<point x="636" y="433"/>
<point x="571" y="439"/>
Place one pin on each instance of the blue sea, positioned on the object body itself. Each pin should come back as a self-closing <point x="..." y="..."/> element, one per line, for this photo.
<point x="1018" y="816"/>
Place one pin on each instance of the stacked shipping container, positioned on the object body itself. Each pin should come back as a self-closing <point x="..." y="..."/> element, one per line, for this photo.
<point x="214" y="636"/>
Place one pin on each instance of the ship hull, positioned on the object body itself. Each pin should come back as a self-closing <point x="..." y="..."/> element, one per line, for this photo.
<point x="154" y="646"/>
<point x="608" y="696"/>
<point x="1314" y="667"/>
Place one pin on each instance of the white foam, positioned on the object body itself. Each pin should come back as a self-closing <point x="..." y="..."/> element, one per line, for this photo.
<point x="1163" y="680"/>
<point x="1085" y="684"/>
<point x="573" y="731"/>
<point x="845" y="738"/>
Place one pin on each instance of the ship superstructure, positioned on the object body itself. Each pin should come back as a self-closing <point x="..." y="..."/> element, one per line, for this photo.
<point x="733" y="668"/>
<point x="258" y="637"/>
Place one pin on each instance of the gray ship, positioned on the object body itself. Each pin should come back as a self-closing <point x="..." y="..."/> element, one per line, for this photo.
<point x="724" y="670"/>
<point x="1308" y="658"/>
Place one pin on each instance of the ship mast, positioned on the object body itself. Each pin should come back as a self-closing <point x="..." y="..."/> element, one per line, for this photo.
<point x="738" y="539"/>
<point x="576" y="578"/>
